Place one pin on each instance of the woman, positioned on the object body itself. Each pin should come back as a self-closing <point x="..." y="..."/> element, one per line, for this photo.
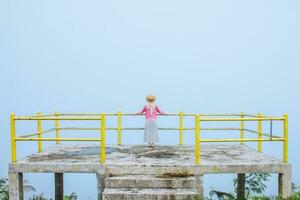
<point x="150" y="109"/>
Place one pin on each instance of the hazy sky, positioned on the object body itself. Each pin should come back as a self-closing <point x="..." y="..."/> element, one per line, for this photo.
<point x="196" y="56"/>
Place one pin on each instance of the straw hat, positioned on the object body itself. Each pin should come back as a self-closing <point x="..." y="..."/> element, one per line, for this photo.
<point x="150" y="98"/>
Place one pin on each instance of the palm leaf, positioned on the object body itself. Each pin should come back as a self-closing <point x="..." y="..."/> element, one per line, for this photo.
<point x="28" y="187"/>
<point x="221" y="195"/>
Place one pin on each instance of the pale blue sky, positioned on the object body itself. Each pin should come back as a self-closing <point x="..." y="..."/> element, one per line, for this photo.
<point x="196" y="56"/>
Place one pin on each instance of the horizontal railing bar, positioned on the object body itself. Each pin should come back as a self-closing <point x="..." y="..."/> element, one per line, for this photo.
<point x="135" y="114"/>
<point x="250" y="131"/>
<point x="28" y="135"/>
<point x="241" y="140"/>
<point x="242" y="119"/>
<point x="72" y="114"/>
<point x="86" y="114"/>
<point x="220" y="114"/>
<point x="79" y="128"/>
<point x="264" y="134"/>
<point x="95" y="139"/>
<point x="250" y="115"/>
<point x="115" y="128"/>
<point x="59" y="139"/>
<point x="45" y="115"/>
<point x="59" y="118"/>
<point x="35" y="134"/>
<point x="211" y="129"/>
<point x="99" y="118"/>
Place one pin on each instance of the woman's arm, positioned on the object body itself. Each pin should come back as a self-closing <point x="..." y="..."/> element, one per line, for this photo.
<point x="159" y="111"/>
<point x="142" y="111"/>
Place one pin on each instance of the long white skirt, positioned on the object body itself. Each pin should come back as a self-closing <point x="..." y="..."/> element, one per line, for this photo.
<point x="151" y="134"/>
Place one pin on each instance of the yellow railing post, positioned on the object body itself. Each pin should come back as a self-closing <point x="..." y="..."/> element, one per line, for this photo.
<point x="103" y="147"/>
<point x="39" y="127"/>
<point x="12" y="137"/>
<point x="259" y="133"/>
<point x="242" y="127"/>
<point x="197" y="139"/>
<point x="57" y="127"/>
<point x="286" y="138"/>
<point x="180" y="128"/>
<point x="119" y="128"/>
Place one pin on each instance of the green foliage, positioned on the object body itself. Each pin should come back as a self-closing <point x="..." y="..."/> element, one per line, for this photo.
<point x="4" y="193"/>
<point x="4" y="189"/>
<point x="254" y="183"/>
<point x="255" y="186"/>
<point x="263" y="198"/>
<point x="28" y="187"/>
<point x="296" y="193"/>
<point x="72" y="196"/>
<point x="38" y="197"/>
<point x="295" y="196"/>
<point x="202" y="198"/>
<point x="221" y="195"/>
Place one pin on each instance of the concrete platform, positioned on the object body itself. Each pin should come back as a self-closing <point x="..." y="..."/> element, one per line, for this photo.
<point x="221" y="158"/>
<point x="162" y="161"/>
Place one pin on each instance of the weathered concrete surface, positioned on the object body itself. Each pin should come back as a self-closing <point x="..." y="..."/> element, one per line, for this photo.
<point x="16" y="186"/>
<point x="224" y="158"/>
<point x="146" y="181"/>
<point x="285" y="183"/>
<point x="199" y="185"/>
<point x="211" y="154"/>
<point x="172" y="161"/>
<point x="100" y="185"/>
<point x="151" y="187"/>
<point x="161" y="161"/>
<point x="149" y="194"/>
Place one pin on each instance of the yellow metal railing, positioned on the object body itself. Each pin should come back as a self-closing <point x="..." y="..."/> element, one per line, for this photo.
<point x="242" y="118"/>
<point x="199" y="119"/>
<point x="57" y="118"/>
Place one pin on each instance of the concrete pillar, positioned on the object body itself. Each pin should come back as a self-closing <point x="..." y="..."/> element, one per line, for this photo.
<point x="59" y="186"/>
<point x="16" y="186"/>
<point x="199" y="185"/>
<point x="240" y="188"/>
<point x="285" y="183"/>
<point x="100" y="185"/>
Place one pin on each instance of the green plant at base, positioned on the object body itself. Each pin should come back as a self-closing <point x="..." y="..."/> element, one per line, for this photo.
<point x="4" y="189"/>
<point x="38" y="197"/>
<point x="72" y="196"/>
<point x="254" y="184"/>
<point x="221" y="195"/>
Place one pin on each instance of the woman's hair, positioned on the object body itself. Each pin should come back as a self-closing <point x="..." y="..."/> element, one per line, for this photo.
<point x="150" y="98"/>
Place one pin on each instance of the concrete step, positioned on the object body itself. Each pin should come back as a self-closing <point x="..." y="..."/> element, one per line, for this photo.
<point x="149" y="194"/>
<point x="142" y="181"/>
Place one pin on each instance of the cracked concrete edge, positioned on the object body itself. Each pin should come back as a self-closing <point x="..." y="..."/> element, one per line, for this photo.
<point x="54" y="168"/>
<point x="148" y="169"/>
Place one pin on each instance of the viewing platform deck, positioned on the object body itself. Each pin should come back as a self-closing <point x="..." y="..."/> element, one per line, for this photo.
<point x="215" y="158"/>
<point x="162" y="161"/>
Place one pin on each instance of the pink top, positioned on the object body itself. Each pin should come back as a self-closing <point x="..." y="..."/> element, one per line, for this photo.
<point x="151" y="112"/>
